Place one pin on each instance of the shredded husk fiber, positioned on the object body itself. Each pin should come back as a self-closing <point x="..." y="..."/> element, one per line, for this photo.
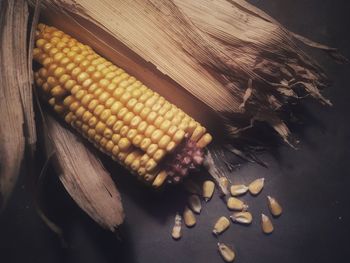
<point x="228" y="54"/>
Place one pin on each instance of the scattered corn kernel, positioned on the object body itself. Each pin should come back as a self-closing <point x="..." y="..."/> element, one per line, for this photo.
<point x="208" y="190"/>
<point x="235" y="204"/>
<point x="266" y="224"/>
<point x="256" y="186"/>
<point x="226" y="253"/>
<point x="274" y="206"/>
<point x="176" y="233"/>
<point x="195" y="204"/>
<point x="239" y="189"/>
<point x="221" y="225"/>
<point x="224" y="183"/>
<point x="189" y="217"/>
<point x="159" y="180"/>
<point x="242" y="217"/>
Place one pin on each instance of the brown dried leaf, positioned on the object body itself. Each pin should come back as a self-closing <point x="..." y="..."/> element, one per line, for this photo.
<point x="13" y="19"/>
<point x="211" y="48"/>
<point x="84" y="177"/>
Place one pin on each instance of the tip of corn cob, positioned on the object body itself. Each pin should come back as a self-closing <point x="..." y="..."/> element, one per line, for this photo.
<point x="117" y="113"/>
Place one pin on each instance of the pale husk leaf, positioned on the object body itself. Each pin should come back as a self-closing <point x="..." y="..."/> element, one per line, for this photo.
<point x="213" y="49"/>
<point x="13" y="18"/>
<point x="83" y="176"/>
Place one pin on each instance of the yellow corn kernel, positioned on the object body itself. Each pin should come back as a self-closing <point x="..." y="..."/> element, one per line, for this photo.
<point x="86" y="116"/>
<point x="131" y="157"/>
<point x="135" y="165"/>
<point x="144" y="113"/>
<point x="124" y="130"/>
<point x="151" y="117"/>
<point x="205" y="140"/>
<point x="171" y="146"/>
<point x="145" y="143"/>
<point x="116" y="107"/>
<point x="151" y="149"/>
<point x="105" y="114"/>
<point x="100" y="127"/>
<point x="165" y="125"/>
<point x="107" y="133"/>
<point x="160" y="179"/>
<point x="122" y="112"/>
<point x="172" y="130"/>
<point x="198" y="133"/>
<point x="111" y="121"/>
<point x="150" y="165"/>
<point x="141" y="171"/>
<point x="135" y="121"/>
<point x="124" y="144"/>
<point x="144" y="159"/>
<point x="115" y="138"/>
<point x="80" y="112"/>
<point x="115" y="150"/>
<point x="149" y="130"/>
<point x="117" y="126"/>
<point x="138" y="107"/>
<point x="131" y="134"/>
<point x="156" y="135"/>
<point x="142" y="126"/>
<point x="164" y="141"/>
<point x="158" y="155"/>
<point x="57" y="91"/>
<point x="178" y="136"/>
<point x="136" y="141"/>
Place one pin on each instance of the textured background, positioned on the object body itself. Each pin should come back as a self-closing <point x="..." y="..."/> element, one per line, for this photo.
<point x="312" y="184"/>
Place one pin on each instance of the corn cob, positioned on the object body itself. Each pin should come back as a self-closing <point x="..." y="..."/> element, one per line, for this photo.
<point x="117" y="113"/>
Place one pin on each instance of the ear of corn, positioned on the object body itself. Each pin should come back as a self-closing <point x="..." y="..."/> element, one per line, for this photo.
<point x="117" y="113"/>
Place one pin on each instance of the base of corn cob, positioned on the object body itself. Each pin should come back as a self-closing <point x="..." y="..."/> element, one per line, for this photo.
<point x="117" y="113"/>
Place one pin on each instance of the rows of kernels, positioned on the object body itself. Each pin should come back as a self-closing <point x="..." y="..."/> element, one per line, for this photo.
<point x="100" y="126"/>
<point x="152" y="116"/>
<point x="111" y="108"/>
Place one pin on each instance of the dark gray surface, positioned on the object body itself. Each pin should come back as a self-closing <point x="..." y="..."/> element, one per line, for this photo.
<point x="312" y="184"/>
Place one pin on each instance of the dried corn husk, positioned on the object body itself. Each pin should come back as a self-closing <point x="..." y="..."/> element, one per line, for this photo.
<point x="13" y="17"/>
<point x="226" y="53"/>
<point x="27" y="91"/>
<point x="84" y="177"/>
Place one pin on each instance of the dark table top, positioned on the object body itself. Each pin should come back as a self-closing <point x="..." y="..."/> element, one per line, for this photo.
<point x="311" y="183"/>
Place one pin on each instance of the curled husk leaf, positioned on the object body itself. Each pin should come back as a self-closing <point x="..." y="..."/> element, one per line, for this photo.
<point x="14" y="79"/>
<point x="83" y="176"/>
